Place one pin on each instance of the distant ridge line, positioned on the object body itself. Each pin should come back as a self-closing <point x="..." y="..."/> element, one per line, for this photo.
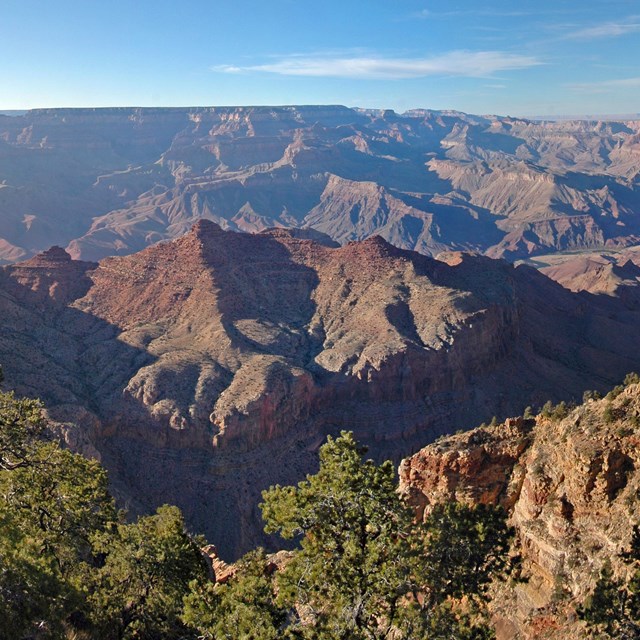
<point x="589" y="118"/>
<point x="415" y="112"/>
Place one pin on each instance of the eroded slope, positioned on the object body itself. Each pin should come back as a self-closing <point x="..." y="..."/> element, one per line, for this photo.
<point x="207" y="368"/>
<point x="113" y="181"/>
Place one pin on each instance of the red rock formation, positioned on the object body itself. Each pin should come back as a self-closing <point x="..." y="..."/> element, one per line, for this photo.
<point x="474" y="468"/>
<point x="208" y="368"/>
<point x="570" y="486"/>
<point x="600" y="273"/>
<point x="50" y="277"/>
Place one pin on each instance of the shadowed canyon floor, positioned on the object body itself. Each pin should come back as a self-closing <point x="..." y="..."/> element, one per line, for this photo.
<point x="205" y="369"/>
<point x="112" y="181"/>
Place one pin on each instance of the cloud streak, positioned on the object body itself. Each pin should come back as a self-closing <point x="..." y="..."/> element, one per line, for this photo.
<point x="476" y="64"/>
<point x="607" y="30"/>
<point x="606" y="86"/>
<point x="490" y="13"/>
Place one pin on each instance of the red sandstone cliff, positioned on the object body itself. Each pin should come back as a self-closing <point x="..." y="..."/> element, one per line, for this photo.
<point x="571" y="488"/>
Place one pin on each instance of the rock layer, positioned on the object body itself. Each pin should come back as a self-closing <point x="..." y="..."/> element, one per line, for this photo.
<point x="206" y="369"/>
<point x="570" y="486"/>
<point x="112" y="181"/>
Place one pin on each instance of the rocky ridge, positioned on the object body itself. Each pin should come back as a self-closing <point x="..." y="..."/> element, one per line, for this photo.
<point x="205" y="369"/>
<point x="570" y="483"/>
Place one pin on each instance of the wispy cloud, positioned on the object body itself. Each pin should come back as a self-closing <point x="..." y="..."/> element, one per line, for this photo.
<point x="424" y="14"/>
<point x="455" y="63"/>
<point x="607" y="30"/>
<point x="606" y="86"/>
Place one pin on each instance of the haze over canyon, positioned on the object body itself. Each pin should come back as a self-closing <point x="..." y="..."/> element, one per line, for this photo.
<point x="112" y="181"/>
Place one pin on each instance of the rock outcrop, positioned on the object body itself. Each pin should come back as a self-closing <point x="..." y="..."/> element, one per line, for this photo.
<point x="611" y="274"/>
<point x="570" y="485"/>
<point x="104" y="182"/>
<point x="205" y="369"/>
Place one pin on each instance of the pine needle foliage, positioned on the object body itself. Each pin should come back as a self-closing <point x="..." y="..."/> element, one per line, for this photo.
<point x="366" y="570"/>
<point x="613" y="609"/>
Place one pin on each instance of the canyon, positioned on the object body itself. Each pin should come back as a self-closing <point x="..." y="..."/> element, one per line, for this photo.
<point x="112" y="181"/>
<point x="228" y="286"/>
<point x="204" y="369"/>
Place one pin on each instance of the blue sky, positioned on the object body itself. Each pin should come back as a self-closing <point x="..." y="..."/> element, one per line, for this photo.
<point x="538" y="57"/>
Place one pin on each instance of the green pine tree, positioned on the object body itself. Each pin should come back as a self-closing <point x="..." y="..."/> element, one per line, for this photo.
<point x="364" y="569"/>
<point x="149" y="564"/>
<point x="244" y="608"/>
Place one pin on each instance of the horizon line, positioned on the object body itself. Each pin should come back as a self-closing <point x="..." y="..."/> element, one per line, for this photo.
<point x="14" y="112"/>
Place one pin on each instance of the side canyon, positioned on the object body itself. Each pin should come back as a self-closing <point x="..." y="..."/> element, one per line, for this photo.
<point x="103" y="182"/>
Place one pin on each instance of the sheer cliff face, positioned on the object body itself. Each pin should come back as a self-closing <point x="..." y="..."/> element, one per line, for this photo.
<point x="207" y="368"/>
<point x="571" y="488"/>
<point x="112" y="181"/>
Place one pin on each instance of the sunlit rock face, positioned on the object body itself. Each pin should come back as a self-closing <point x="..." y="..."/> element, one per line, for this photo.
<point x="570" y="486"/>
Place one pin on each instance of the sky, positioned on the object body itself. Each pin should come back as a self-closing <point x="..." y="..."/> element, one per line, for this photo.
<point x="525" y="58"/>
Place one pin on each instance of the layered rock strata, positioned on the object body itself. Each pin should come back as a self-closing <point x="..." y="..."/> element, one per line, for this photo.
<point x="205" y="369"/>
<point x="570" y="486"/>
<point x="106" y="182"/>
